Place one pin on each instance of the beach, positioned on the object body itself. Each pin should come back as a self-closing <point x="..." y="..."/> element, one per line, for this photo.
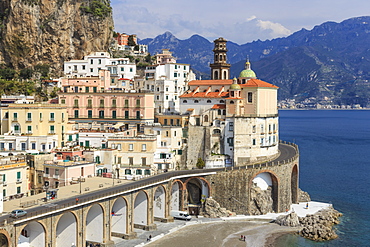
<point x="227" y="233"/>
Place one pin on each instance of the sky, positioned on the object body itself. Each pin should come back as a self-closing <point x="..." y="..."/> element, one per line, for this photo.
<point x="240" y="21"/>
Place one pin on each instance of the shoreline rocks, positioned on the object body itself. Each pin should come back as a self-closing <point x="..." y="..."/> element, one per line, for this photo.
<point x="317" y="227"/>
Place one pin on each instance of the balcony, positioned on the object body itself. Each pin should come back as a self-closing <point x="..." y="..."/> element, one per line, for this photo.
<point x="46" y="175"/>
<point x="4" y="183"/>
<point x="56" y="176"/>
<point x="29" y="120"/>
<point x="19" y="180"/>
<point x="52" y="120"/>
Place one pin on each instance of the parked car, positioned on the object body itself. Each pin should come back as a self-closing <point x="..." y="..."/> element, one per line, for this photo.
<point x="18" y="213"/>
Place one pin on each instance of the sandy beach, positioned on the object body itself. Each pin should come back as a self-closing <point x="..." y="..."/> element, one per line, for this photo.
<point x="258" y="234"/>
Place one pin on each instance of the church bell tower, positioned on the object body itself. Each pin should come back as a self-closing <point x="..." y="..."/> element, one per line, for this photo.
<point x="220" y="69"/>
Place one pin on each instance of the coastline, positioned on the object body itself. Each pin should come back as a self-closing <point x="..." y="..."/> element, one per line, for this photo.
<point x="226" y="233"/>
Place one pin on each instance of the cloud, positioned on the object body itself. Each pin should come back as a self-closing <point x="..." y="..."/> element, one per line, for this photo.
<point x="276" y="28"/>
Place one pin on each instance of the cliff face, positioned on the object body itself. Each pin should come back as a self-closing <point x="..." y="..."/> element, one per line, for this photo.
<point x="52" y="31"/>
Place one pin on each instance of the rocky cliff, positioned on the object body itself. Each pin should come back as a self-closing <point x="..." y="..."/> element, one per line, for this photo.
<point x="52" y="31"/>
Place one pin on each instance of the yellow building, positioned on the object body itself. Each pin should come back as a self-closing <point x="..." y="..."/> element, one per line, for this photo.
<point x="14" y="171"/>
<point x="135" y="154"/>
<point x="36" y="127"/>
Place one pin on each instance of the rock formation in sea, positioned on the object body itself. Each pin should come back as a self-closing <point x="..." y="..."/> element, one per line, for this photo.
<point x="303" y="196"/>
<point x="317" y="227"/>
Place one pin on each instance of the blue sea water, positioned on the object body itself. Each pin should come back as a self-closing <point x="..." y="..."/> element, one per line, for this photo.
<point x="334" y="167"/>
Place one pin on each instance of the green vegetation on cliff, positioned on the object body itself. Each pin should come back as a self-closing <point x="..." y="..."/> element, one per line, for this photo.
<point x="98" y="8"/>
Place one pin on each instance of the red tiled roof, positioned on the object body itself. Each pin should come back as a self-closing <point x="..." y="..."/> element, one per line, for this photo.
<point x="218" y="106"/>
<point x="205" y="95"/>
<point x="210" y="82"/>
<point x="257" y="83"/>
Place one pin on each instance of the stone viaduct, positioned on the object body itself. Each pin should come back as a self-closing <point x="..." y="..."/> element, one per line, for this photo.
<point x="116" y="212"/>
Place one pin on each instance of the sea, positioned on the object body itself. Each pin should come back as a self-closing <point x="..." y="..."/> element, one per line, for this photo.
<point x="334" y="150"/>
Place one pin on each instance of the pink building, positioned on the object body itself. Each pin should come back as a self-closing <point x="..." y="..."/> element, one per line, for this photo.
<point x="60" y="173"/>
<point x="93" y="100"/>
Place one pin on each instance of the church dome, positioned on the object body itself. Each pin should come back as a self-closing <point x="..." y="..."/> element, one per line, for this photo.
<point x="235" y="85"/>
<point x="247" y="72"/>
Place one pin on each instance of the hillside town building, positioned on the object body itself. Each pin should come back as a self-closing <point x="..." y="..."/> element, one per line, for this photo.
<point x="237" y="118"/>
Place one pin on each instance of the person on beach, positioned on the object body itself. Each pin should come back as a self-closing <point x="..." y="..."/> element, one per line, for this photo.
<point x="307" y="205"/>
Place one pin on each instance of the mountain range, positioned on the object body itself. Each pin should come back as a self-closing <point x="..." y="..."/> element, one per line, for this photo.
<point x="330" y="62"/>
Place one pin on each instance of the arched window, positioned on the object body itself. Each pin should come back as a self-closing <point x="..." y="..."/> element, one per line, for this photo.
<point x="216" y="75"/>
<point x="231" y="102"/>
<point x="222" y="101"/>
<point x="184" y="101"/>
<point x="217" y="91"/>
<point x="225" y="75"/>
<point x="196" y="101"/>
<point x="216" y="131"/>
<point x="206" y="118"/>
<point x="209" y="101"/>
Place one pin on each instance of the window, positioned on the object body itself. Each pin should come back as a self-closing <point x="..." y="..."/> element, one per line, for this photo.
<point x="175" y="74"/>
<point x="262" y="128"/>
<point x="126" y="115"/>
<point x="165" y="122"/>
<point x="95" y="89"/>
<point x="162" y="156"/>
<point x="89" y="113"/>
<point x="47" y="171"/>
<point x="63" y="101"/>
<point x="131" y="70"/>
<point x="114" y="103"/>
<point x="184" y="101"/>
<point x="91" y="61"/>
<point x="143" y="161"/>
<point x="52" y="130"/>
<point x="138" y="103"/>
<point x="254" y="129"/>
<point x="126" y="102"/>
<point x="137" y="114"/>
<point x="254" y="142"/>
<point x="130" y="147"/>
<point x="209" y="101"/>
<point x="18" y="175"/>
<point x="29" y="129"/>
<point x="114" y="114"/>
<point x="131" y="161"/>
<point x="147" y="172"/>
<point x="52" y="116"/>
<point x="250" y="97"/>
<point x="83" y="67"/>
<point x="29" y="116"/>
<point x="230" y="141"/>
<point x="128" y="172"/>
<point x="99" y="61"/>
<point x="166" y="97"/>
<point x="18" y="190"/>
<point x="87" y="89"/>
<point x="102" y="103"/>
<point x="76" y="114"/>
<point x="57" y="172"/>
<point x="143" y="147"/>
<point x="101" y="114"/>
<point x="231" y="102"/>
<point x="15" y="116"/>
<point x="138" y="172"/>
<point x="196" y="101"/>
<point x="231" y="126"/>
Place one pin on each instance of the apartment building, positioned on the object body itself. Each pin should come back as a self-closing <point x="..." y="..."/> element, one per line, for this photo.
<point x="33" y="127"/>
<point x="96" y="61"/>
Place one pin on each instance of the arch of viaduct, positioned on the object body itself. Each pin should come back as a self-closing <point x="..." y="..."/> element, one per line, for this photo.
<point x="116" y="213"/>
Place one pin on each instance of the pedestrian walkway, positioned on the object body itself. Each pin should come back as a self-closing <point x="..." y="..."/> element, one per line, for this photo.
<point x="74" y="190"/>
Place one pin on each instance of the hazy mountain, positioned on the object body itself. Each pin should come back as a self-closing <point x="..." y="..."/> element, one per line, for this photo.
<point x="329" y="62"/>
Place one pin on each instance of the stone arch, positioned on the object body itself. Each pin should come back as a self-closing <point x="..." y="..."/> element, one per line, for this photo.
<point x="198" y="188"/>
<point x="177" y="188"/>
<point x="294" y="184"/>
<point x="141" y="208"/>
<point x="94" y="228"/>
<point x="264" y="183"/>
<point x="66" y="230"/>
<point x="33" y="234"/>
<point x="4" y="238"/>
<point x="225" y="75"/>
<point x="119" y="215"/>
<point x="159" y="207"/>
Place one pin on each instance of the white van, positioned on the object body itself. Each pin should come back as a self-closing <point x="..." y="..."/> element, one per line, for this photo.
<point x="180" y="215"/>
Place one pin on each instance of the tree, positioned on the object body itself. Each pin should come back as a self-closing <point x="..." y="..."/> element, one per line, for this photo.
<point x="200" y="163"/>
<point x="131" y="41"/>
<point x="26" y="73"/>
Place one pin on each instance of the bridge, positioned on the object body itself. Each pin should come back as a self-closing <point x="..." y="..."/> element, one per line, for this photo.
<point x="116" y="211"/>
